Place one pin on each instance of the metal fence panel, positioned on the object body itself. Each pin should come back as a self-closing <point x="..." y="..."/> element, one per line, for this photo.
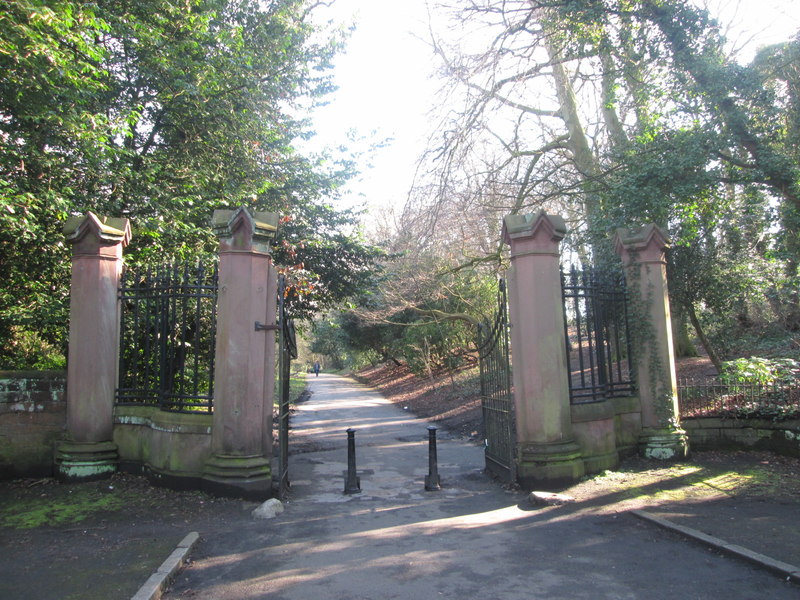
<point x="717" y="398"/>
<point x="596" y="328"/>
<point x="167" y="337"/>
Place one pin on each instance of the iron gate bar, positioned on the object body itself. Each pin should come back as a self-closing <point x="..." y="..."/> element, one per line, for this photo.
<point x="287" y="350"/>
<point x="177" y="396"/>
<point x="622" y="383"/>
<point x="168" y="329"/>
<point x="496" y="391"/>
<point x="598" y="304"/>
<point x="138" y="358"/>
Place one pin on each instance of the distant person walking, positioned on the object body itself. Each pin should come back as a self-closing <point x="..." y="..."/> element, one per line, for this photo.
<point x="316" y="369"/>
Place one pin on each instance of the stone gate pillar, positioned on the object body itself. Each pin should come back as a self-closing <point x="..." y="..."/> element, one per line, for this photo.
<point x="92" y="366"/>
<point x="642" y="252"/>
<point x="547" y="454"/>
<point x="241" y="436"/>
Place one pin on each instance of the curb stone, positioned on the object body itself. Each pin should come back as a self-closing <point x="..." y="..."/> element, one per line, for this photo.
<point x="158" y="581"/>
<point x="786" y="570"/>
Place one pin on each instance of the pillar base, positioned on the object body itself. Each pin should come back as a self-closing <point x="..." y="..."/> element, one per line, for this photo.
<point x="549" y="466"/>
<point x="593" y="426"/>
<point x="664" y="444"/>
<point x="600" y="463"/>
<point x="85" y="461"/>
<point x="248" y="477"/>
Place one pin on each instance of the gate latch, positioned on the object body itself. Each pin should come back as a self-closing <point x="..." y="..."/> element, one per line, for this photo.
<point x="261" y="327"/>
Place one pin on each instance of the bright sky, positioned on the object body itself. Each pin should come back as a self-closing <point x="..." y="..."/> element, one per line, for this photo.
<point x="384" y="93"/>
<point x="386" y="90"/>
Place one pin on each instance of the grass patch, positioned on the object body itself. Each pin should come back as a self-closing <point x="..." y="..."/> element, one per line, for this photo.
<point x="297" y="385"/>
<point x="683" y="481"/>
<point x="74" y="507"/>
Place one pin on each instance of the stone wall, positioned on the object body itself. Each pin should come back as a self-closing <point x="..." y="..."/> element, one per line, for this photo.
<point x="168" y="447"/>
<point x="627" y="424"/>
<point x="33" y="416"/>
<point x="757" y="434"/>
<point x="33" y="412"/>
<point x="607" y="431"/>
<point x="704" y="434"/>
<point x="595" y="430"/>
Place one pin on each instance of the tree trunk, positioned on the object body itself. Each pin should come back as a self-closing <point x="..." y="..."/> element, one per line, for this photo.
<point x="610" y="116"/>
<point x="712" y="354"/>
<point x="582" y="155"/>
<point x="684" y="347"/>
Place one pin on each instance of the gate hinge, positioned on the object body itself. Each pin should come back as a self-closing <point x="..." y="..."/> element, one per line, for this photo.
<point x="261" y="327"/>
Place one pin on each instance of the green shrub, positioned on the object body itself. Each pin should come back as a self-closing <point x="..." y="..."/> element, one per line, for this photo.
<point x="762" y="371"/>
<point x="29" y="351"/>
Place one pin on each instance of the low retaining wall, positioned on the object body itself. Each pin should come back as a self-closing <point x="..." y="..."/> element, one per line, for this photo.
<point x="33" y="415"/>
<point x="170" y="448"/>
<point x="711" y="433"/>
<point x="627" y="424"/>
<point x="594" y="428"/>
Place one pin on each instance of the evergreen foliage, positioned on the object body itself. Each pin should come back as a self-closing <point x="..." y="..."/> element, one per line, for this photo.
<point x="162" y="112"/>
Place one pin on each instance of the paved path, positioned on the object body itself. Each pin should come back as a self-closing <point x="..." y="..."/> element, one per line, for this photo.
<point x="472" y="539"/>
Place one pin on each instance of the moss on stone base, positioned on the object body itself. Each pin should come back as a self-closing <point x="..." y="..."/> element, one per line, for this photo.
<point x="247" y="477"/>
<point x="664" y="444"/>
<point x="85" y="461"/>
<point x="549" y="466"/>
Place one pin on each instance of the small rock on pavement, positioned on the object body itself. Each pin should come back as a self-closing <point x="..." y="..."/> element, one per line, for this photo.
<point x="549" y="499"/>
<point x="269" y="509"/>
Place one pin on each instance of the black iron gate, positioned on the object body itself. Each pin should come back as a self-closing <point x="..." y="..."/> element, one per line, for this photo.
<point x="167" y="337"/>
<point x="497" y="399"/>
<point x="597" y="334"/>
<point x="287" y="350"/>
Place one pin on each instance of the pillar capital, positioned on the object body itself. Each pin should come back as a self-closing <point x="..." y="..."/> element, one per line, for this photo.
<point x="91" y="234"/>
<point x="242" y="230"/>
<point x="537" y="233"/>
<point x="645" y="245"/>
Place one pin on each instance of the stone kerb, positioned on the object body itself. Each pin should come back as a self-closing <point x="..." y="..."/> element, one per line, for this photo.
<point x="97" y="244"/>
<point x="547" y="453"/>
<point x="241" y="439"/>
<point x="643" y="254"/>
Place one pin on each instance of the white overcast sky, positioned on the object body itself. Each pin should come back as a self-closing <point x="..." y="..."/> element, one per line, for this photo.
<point x="386" y="90"/>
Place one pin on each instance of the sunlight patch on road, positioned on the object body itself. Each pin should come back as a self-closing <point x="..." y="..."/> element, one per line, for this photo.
<point x="395" y="554"/>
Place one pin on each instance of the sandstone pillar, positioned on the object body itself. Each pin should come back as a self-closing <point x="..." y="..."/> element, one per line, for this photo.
<point x="241" y="438"/>
<point x="642" y="252"/>
<point x="547" y="454"/>
<point x="97" y="244"/>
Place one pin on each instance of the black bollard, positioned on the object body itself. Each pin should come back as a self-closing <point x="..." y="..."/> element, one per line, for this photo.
<point x="353" y="484"/>
<point x="432" y="482"/>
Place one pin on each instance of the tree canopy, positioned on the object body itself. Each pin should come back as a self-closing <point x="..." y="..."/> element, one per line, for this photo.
<point x="615" y="113"/>
<point x="161" y="112"/>
<point x="609" y="112"/>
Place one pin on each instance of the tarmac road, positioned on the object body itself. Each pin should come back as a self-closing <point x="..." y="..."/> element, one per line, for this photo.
<point x="471" y="539"/>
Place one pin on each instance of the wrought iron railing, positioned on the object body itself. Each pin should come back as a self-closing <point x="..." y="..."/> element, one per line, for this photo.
<point x="596" y="328"/>
<point x="167" y="337"/>
<point x="716" y="398"/>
